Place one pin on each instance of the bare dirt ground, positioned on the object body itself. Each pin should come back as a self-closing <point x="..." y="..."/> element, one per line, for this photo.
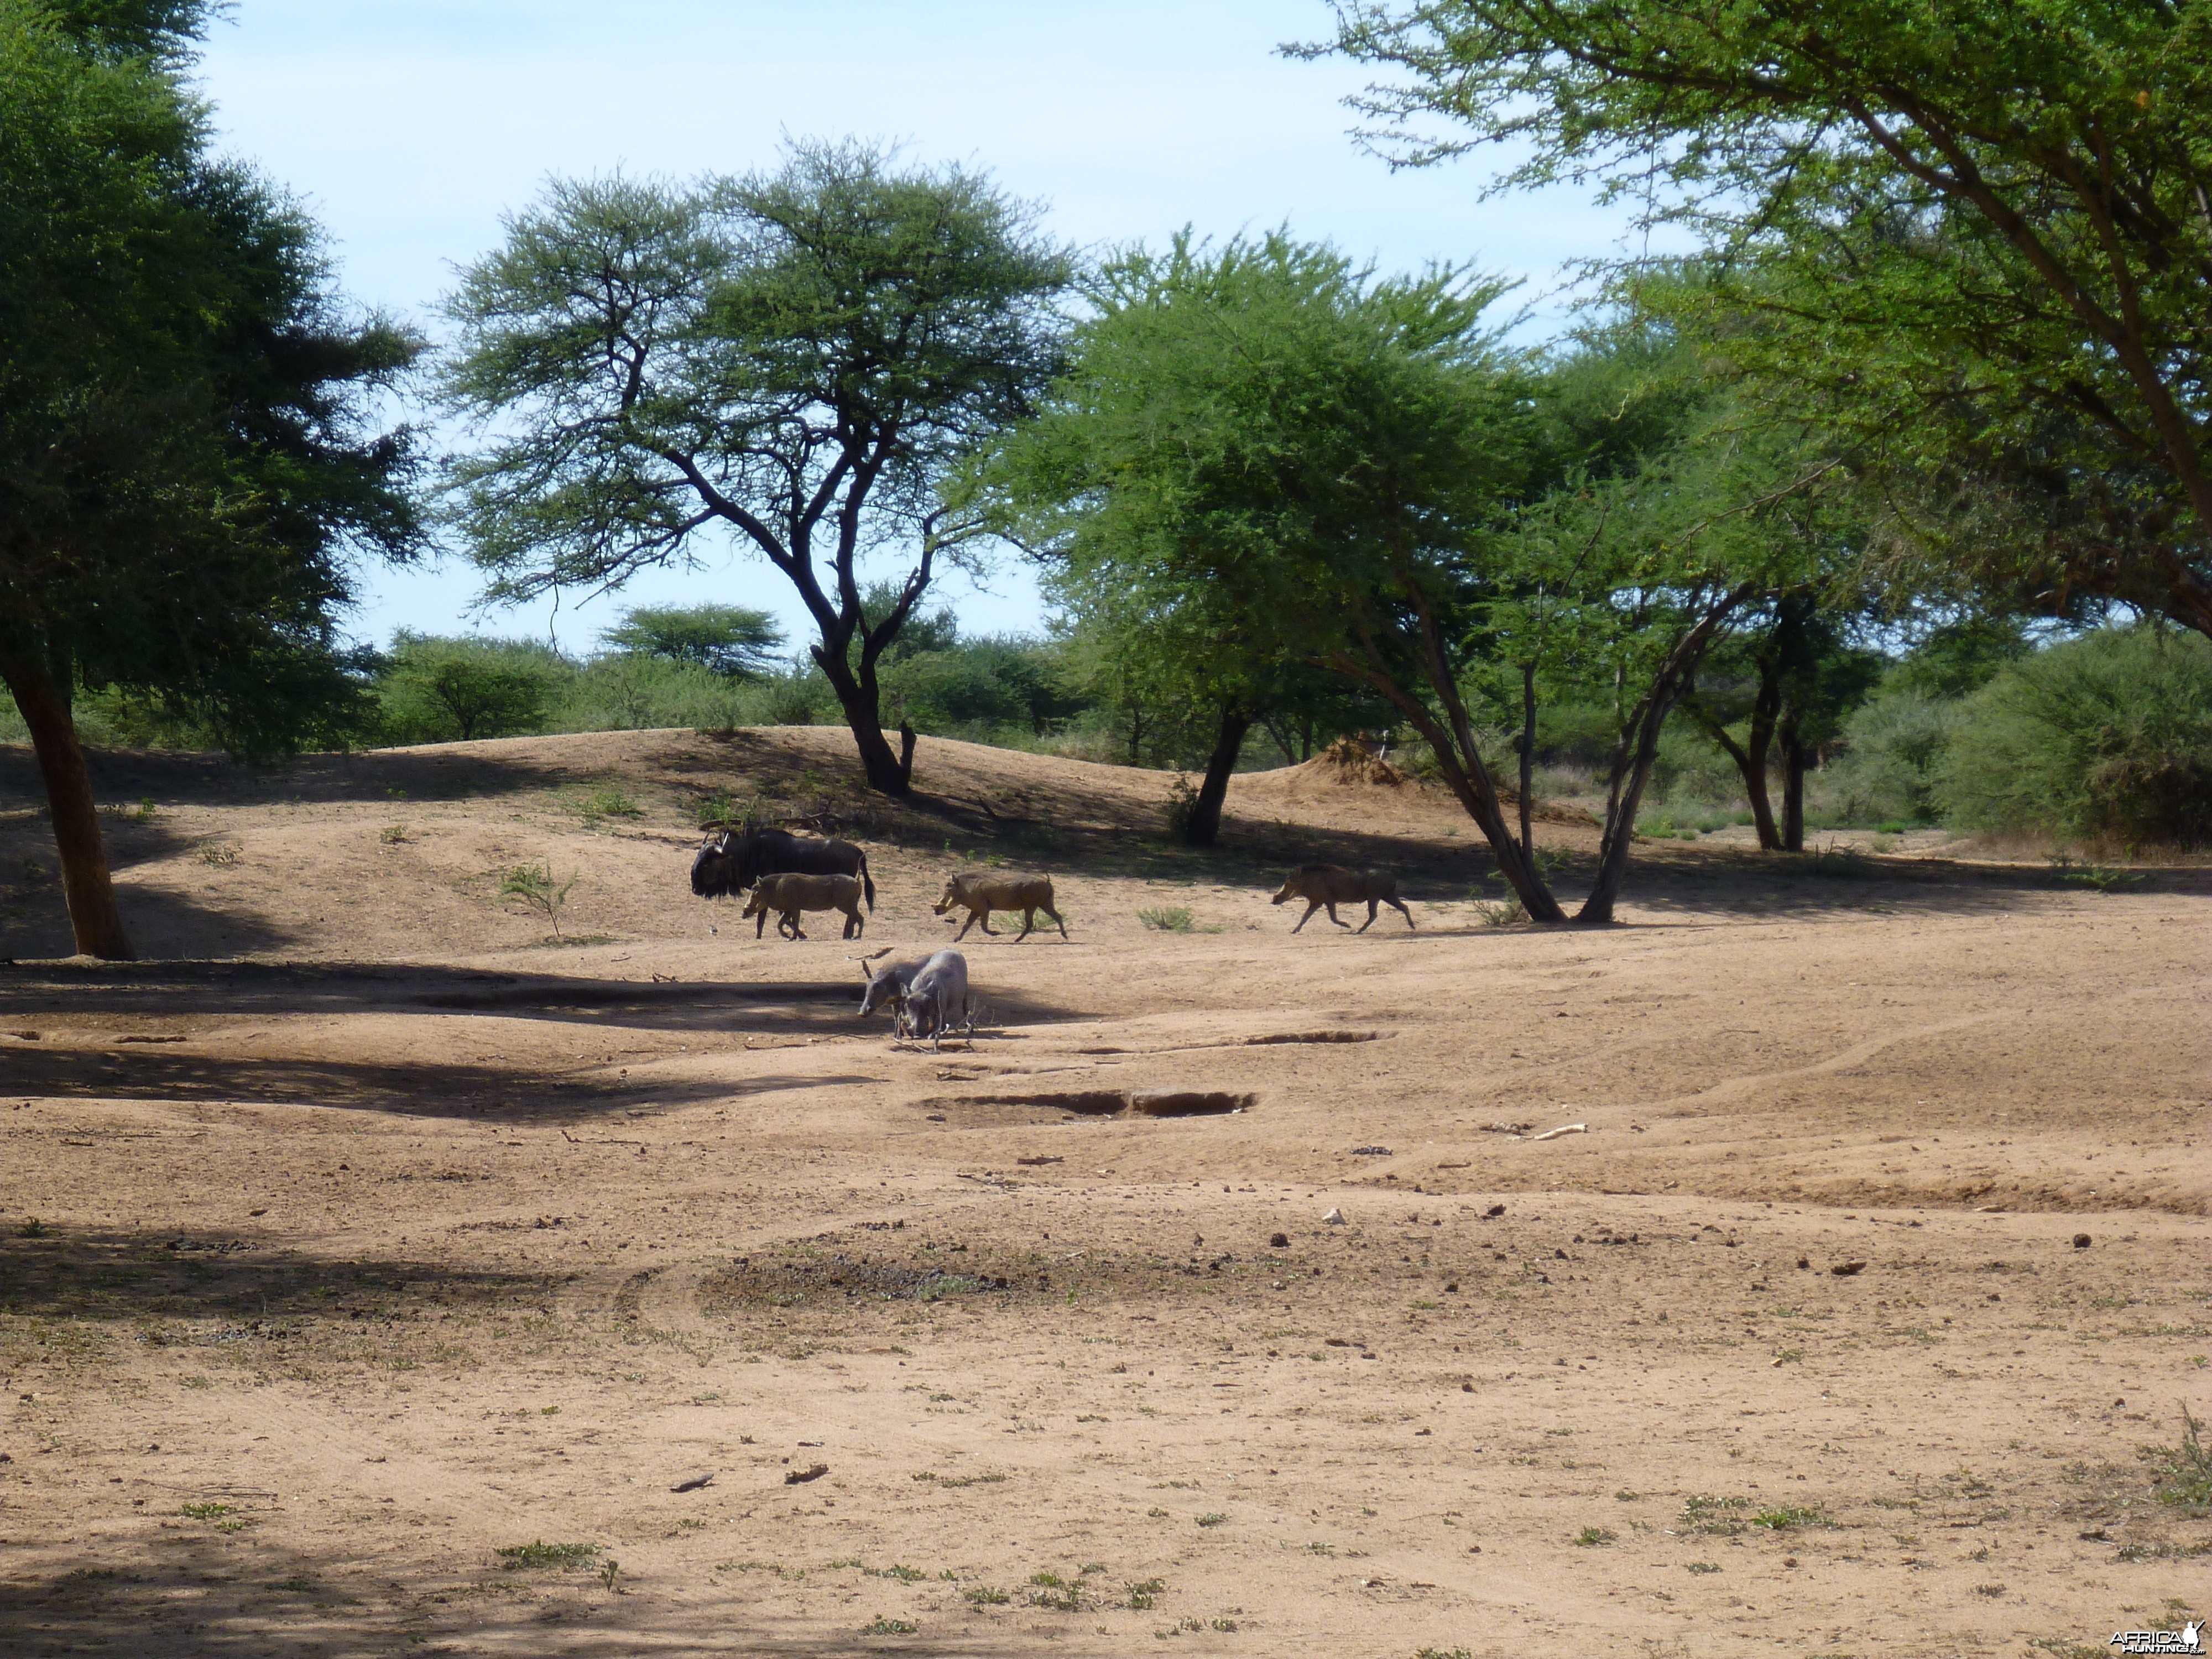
<point x="360" y="1243"/>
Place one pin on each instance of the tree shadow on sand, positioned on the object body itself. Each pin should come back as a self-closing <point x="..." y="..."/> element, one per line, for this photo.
<point x="153" y="1064"/>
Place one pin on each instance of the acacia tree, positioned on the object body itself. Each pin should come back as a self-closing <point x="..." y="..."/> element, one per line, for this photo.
<point x="186" y="457"/>
<point x="1265" y="429"/>
<point x="796" y="357"/>
<point x="1980" y="236"/>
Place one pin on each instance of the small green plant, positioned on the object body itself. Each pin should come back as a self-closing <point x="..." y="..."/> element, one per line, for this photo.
<point x="2185" y="1471"/>
<point x="985" y="1595"/>
<point x="1226" y="1624"/>
<point x="904" y="1575"/>
<point x="1704" y="1566"/>
<point x="147" y="811"/>
<point x="890" y="1627"/>
<point x="611" y="1575"/>
<point x="606" y="802"/>
<point x="538" y="1553"/>
<point x="1627" y="1497"/>
<point x="1499" y="913"/>
<point x="1442" y="1653"/>
<point x="1183" y="805"/>
<point x="393" y="835"/>
<point x="1146" y="1595"/>
<point x="1991" y="1590"/>
<point x="1212" y="1519"/>
<point x="206" y="1512"/>
<point x="195" y="1383"/>
<point x="1156" y="1513"/>
<point x="1781" y="1520"/>
<point x="1703" y="1514"/>
<point x="34" y="1228"/>
<point x="534" y="885"/>
<point x="219" y="854"/>
<point x="1051" y="1590"/>
<point x="1168" y="918"/>
<point x="1590" y="1537"/>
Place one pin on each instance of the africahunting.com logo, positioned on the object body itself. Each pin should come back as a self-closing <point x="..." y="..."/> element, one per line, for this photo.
<point x="2189" y="1638"/>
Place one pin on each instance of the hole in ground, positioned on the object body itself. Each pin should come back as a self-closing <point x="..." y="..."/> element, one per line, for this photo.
<point x="1187" y="1102"/>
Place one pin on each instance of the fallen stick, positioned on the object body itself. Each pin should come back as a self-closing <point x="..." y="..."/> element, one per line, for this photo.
<point x="1565" y="1129"/>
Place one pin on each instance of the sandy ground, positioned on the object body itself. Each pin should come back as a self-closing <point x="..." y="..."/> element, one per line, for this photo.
<point x="364" y="1239"/>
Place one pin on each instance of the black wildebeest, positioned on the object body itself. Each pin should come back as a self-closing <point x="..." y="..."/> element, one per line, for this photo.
<point x="729" y="862"/>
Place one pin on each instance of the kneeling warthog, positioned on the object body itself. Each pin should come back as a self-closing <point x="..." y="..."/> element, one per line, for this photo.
<point x="980" y="894"/>
<point x="787" y="896"/>
<point x="1325" y="886"/>
<point x="889" y="987"/>
<point x="937" y="996"/>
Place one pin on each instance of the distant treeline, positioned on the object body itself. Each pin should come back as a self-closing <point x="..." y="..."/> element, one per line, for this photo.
<point x="2103" y="739"/>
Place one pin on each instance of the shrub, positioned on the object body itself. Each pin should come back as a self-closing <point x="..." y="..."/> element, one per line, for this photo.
<point x="2107" y="738"/>
<point x="1887" y="773"/>
<point x="440" y="690"/>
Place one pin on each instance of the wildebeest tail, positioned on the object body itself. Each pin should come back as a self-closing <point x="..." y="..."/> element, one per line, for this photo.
<point x="867" y="884"/>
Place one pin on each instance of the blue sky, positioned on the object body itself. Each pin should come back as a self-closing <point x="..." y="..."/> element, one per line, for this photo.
<point x="409" y="128"/>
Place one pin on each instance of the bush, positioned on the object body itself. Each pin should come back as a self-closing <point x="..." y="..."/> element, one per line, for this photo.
<point x="2105" y="739"/>
<point x="440" y="690"/>
<point x="1896" y="746"/>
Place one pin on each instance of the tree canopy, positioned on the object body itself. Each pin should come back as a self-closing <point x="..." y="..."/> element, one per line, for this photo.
<point x="189" y="460"/>
<point x="797" y="356"/>
<point x="1979" y="234"/>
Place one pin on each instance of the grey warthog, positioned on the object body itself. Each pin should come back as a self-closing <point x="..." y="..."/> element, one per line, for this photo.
<point x="980" y="894"/>
<point x="937" y="996"/>
<point x="786" y="897"/>
<point x="889" y="987"/>
<point x="1325" y="886"/>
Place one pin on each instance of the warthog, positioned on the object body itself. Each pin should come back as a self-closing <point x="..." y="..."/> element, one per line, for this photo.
<point x="728" y="862"/>
<point x="788" y="896"/>
<point x="937" y="996"/>
<point x="1325" y="886"/>
<point x="890" y="986"/>
<point x="980" y="894"/>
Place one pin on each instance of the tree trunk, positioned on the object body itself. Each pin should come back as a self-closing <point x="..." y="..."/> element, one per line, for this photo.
<point x="44" y="703"/>
<point x="863" y="715"/>
<point x="1750" y="757"/>
<point x="1794" y="756"/>
<point x="1528" y="752"/>
<point x="1680" y="668"/>
<point x="906" y="754"/>
<point x="1204" y="827"/>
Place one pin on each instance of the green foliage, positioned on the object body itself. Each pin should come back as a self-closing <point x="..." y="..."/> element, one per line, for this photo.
<point x="1589" y="1536"/>
<point x="2185" y="1471"/>
<point x="438" y="691"/>
<point x="1973" y="238"/>
<point x="802" y="351"/>
<point x="1168" y="918"/>
<point x="2105" y="739"/>
<point x="723" y="639"/>
<point x="188" y="460"/>
<point x="1895" y="747"/>
<point x="1786" y="1517"/>
<point x="534" y="885"/>
<point x="542" y="1554"/>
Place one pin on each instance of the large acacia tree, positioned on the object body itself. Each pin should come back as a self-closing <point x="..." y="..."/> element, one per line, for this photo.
<point x="1979" y="236"/>
<point x="187" y="462"/>
<point x="795" y="358"/>
<point x="1271" y="449"/>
